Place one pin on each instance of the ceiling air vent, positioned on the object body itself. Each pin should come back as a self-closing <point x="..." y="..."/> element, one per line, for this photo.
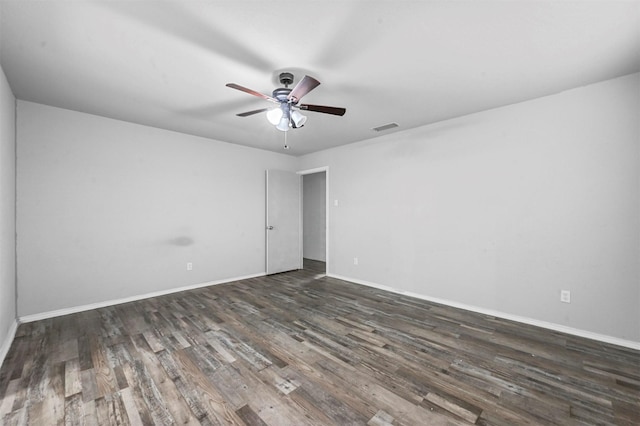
<point x="385" y="127"/>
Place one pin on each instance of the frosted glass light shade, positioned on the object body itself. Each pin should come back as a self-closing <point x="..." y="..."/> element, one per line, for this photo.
<point x="274" y="116"/>
<point x="298" y="119"/>
<point x="283" y="125"/>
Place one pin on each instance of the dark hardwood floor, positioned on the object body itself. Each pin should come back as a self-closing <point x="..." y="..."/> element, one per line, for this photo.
<point x="312" y="265"/>
<point x="293" y="349"/>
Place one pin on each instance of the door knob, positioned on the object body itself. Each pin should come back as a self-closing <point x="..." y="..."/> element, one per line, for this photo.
<point x="269" y="227"/>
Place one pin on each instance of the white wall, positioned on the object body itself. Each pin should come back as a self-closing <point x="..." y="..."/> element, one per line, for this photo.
<point x="502" y="209"/>
<point x="314" y="216"/>
<point x="109" y="210"/>
<point x="7" y="215"/>
<point x="498" y="210"/>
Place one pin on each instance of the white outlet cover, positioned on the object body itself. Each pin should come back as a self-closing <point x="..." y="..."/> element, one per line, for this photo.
<point x="565" y="296"/>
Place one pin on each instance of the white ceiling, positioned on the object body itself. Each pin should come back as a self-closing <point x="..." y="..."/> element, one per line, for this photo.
<point x="165" y="63"/>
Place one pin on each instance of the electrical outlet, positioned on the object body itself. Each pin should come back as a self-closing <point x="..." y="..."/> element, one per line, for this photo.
<point x="189" y="266"/>
<point x="355" y="260"/>
<point x="565" y="296"/>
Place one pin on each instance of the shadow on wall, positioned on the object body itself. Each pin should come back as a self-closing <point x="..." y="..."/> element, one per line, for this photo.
<point x="181" y="241"/>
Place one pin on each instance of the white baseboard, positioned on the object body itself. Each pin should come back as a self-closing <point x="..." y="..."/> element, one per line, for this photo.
<point x="530" y="321"/>
<point x="82" y="308"/>
<point x="8" y="340"/>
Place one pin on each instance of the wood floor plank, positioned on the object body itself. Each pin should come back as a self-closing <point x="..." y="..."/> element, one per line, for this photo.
<point x="84" y="353"/>
<point x="192" y="398"/>
<point x="249" y="417"/>
<point x="72" y="383"/>
<point x="135" y="394"/>
<point x="228" y="380"/>
<point x="90" y="416"/>
<point x="300" y="348"/>
<point x="166" y="391"/>
<point x="130" y="407"/>
<point x="89" y="385"/>
<point x="15" y="418"/>
<point x="51" y="408"/>
<point x="381" y="418"/>
<point x="270" y="406"/>
<point x="10" y="394"/>
<point x="106" y="382"/>
<point x="329" y="401"/>
<point x="207" y="396"/>
<point x="113" y="410"/>
<point x="66" y="351"/>
<point x="73" y="410"/>
<point x="452" y="407"/>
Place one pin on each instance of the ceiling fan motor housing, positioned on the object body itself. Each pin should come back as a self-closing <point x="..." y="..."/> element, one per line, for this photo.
<point x="281" y="94"/>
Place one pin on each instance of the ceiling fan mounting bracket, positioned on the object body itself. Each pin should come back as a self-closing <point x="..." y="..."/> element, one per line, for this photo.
<point x="286" y="78"/>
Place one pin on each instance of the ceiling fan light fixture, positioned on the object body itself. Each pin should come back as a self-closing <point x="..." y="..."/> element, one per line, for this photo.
<point x="274" y="116"/>
<point x="298" y="119"/>
<point x="283" y="125"/>
<point x="285" y="117"/>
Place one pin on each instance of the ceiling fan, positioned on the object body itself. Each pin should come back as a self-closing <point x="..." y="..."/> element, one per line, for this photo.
<point x="287" y="115"/>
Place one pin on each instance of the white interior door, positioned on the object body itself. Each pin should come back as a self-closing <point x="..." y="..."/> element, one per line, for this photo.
<point x="283" y="221"/>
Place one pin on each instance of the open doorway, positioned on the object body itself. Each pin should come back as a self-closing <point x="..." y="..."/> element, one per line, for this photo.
<point x="314" y="221"/>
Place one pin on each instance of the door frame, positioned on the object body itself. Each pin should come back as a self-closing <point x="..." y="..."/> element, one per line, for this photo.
<point x="326" y="206"/>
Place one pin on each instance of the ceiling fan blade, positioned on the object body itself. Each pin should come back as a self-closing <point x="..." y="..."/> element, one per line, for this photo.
<point x="303" y="87"/>
<point x="323" y="109"/>
<point x="252" y="92"/>
<point x="255" y="111"/>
